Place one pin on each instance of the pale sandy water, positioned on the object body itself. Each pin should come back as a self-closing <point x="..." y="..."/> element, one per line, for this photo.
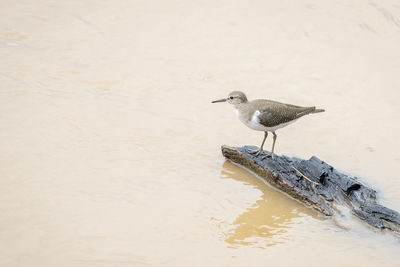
<point x="110" y="148"/>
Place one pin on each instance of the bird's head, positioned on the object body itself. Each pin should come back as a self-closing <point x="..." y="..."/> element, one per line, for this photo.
<point x="234" y="98"/>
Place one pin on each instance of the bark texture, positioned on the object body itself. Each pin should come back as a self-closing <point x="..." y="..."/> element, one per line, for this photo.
<point x="327" y="189"/>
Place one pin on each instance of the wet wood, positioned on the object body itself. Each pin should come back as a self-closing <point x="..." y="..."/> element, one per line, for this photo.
<point x="318" y="185"/>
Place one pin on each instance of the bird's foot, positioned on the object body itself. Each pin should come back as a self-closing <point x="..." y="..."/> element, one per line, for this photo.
<point x="270" y="155"/>
<point x="255" y="152"/>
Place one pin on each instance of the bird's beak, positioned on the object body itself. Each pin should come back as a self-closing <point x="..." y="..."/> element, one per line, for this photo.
<point x="219" y="100"/>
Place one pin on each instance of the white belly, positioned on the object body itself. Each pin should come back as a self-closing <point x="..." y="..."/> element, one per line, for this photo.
<point x="259" y="127"/>
<point x="254" y="123"/>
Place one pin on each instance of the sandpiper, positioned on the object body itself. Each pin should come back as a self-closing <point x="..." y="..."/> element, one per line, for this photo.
<point x="265" y="115"/>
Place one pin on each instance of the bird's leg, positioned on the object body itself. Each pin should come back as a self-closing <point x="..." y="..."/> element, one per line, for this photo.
<point x="273" y="146"/>
<point x="258" y="151"/>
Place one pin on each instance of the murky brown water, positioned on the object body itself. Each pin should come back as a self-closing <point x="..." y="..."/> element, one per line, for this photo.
<point x="109" y="146"/>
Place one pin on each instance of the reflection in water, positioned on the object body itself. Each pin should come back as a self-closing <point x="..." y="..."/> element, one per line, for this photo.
<point x="265" y="222"/>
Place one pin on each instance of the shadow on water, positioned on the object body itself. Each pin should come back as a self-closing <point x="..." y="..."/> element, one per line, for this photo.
<point x="269" y="218"/>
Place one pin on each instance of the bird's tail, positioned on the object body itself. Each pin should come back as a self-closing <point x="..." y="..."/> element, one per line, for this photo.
<point x="318" y="110"/>
<point x="308" y="110"/>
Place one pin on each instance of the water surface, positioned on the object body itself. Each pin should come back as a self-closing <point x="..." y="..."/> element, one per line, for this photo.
<point x="110" y="147"/>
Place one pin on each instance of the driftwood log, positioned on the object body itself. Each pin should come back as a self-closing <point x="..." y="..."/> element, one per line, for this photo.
<point x="318" y="185"/>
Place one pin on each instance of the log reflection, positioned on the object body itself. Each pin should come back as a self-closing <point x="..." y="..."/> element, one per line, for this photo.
<point x="266" y="221"/>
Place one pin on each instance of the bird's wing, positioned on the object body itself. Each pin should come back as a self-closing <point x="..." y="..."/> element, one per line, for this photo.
<point x="275" y="113"/>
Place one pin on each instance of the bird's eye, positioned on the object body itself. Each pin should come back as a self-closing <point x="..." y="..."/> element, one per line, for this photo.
<point x="231" y="97"/>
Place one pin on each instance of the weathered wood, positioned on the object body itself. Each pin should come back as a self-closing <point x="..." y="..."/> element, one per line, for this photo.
<point x="329" y="189"/>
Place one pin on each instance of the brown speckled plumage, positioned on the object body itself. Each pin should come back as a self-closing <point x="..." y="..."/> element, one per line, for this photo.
<point x="273" y="113"/>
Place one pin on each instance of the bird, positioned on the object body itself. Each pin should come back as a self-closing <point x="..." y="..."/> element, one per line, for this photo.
<point x="265" y="115"/>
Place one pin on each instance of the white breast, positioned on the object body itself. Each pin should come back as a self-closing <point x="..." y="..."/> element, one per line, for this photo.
<point x="254" y="123"/>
